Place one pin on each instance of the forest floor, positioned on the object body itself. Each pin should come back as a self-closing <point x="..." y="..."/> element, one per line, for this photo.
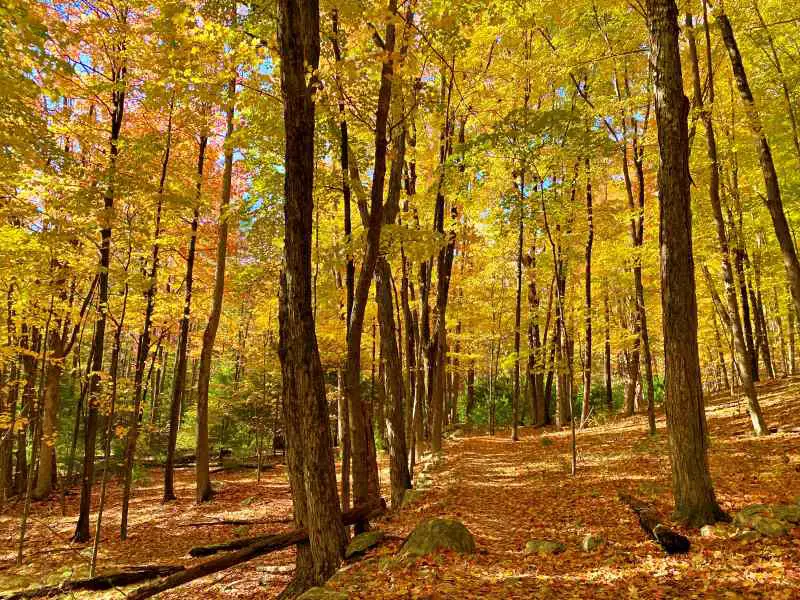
<point x="506" y="493"/>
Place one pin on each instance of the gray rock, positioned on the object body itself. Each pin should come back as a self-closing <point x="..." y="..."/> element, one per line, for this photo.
<point x="439" y="534"/>
<point x="321" y="593"/>
<point x="363" y="542"/>
<point x="544" y="547"/>
<point x="592" y="542"/>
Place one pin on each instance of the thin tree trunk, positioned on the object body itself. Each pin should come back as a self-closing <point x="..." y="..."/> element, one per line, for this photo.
<point x="587" y="372"/>
<point x="607" y="354"/>
<point x="87" y="476"/>
<point x="203" y="488"/>
<point x="365" y="470"/>
<point x="773" y="197"/>
<point x="179" y="382"/>
<point x="732" y="319"/>
<point x="143" y="348"/>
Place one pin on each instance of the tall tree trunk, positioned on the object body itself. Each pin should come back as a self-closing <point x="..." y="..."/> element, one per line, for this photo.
<point x="87" y="476"/>
<point x="365" y="469"/>
<point x="773" y="197"/>
<point x="312" y="473"/>
<point x="790" y="325"/>
<point x="437" y="351"/>
<point x="691" y="480"/>
<point x="732" y="319"/>
<point x="607" y="354"/>
<point x="350" y="274"/>
<point x="518" y="308"/>
<point x="587" y="371"/>
<point x="393" y="368"/>
<point x="179" y="382"/>
<point x="143" y="348"/>
<point x="203" y="489"/>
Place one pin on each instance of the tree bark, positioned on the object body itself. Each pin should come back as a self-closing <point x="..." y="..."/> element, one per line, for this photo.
<point x="365" y="470"/>
<point x="773" y="197"/>
<point x="179" y="382"/>
<point x="312" y="473"/>
<point x="143" y="348"/>
<point x="117" y="110"/>
<point x="691" y="480"/>
<point x="203" y="483"/>
<point x="607" y="355"/>
<point x="587" y="369"/>
<point x="732" y="319"/>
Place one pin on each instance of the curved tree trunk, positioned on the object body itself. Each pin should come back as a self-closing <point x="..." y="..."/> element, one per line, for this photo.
<point x="731" y="315"/>
<point x="773" y="197"/>
<point x="203" y="479"/>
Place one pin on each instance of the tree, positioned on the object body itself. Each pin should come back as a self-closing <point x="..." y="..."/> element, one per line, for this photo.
<point x="691" y="480"/>
<point x="309" y="456"/>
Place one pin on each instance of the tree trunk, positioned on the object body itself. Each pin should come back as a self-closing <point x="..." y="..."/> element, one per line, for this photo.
<point x="607" y="355"/>
<point x="203" y="489"/>
<point x="312" y="474"/>
<point x="365" y="469"/>
<point x="732" y="320"/>
<point x="87" y="476"/>
<point x="773" y="197"/>
<point x="691" y="480"/>
<point x="179" y="382"/>
<point x="587" y="371"/>
<point x="393" y="368"/>
<point x="143" y="348"/>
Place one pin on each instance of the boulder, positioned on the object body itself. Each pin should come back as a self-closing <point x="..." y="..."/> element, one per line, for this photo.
<point x="769" y="526"/>
<point x="321" y="593"/>
<point x="787" y="512"/>
<point x="746" y="517"/>
<point x="411" y="497"/>
<point x="439" y="534"/>
<point x="544" y="547"/>
<point x="591" y="542"/>
<point x="746" y="536"/>
<point x="363" y="542"/>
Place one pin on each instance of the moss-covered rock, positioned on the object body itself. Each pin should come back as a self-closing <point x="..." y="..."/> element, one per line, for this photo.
<point x="544" y="547"/>
<point x="787" y="512"/>
<point x="747" y="535"/>
<point x="363" y="542"/>
<point x="746" y="517"/>
<point x="769" y="526"/>
<point x="436" y="534"/>
<point x="412" y="497"/>
<point x="321" y="593"/>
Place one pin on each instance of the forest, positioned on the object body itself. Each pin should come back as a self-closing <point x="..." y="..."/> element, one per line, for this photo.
<point x="399" y="299"/>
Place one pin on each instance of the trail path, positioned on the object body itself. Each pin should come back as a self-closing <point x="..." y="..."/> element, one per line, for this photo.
<point x="506" y="493"/>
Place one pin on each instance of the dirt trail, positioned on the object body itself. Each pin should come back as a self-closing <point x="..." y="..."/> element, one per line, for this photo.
<point x="508" y="493"/>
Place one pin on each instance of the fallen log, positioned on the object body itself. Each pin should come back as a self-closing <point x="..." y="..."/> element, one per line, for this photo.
<point x="124" y="576"/>
<point x="358" y="513"/>
<point x="671" y="541"/>
<point x="262" y="545"/>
